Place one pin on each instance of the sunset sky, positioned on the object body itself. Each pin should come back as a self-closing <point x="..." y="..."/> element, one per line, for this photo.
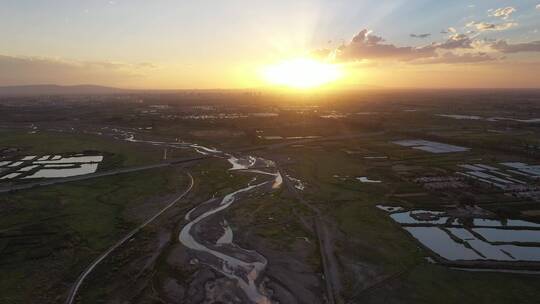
<point x="228" y="44"/>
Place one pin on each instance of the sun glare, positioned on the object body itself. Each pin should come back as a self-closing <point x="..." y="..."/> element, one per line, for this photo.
<point x="302" y="73"/>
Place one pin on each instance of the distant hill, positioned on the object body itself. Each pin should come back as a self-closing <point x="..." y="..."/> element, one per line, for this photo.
<point x="34" y="90"/>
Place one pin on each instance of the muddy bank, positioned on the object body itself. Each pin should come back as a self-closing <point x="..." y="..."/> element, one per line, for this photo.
<point x="288" y="277"/>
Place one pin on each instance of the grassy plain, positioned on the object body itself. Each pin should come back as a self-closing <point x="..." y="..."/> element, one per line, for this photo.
<point x="49" y="235"/>
<point x="387" y="253"/>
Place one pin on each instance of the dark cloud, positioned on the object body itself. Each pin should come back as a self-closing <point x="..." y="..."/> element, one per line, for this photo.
<point x="421" y="36"/>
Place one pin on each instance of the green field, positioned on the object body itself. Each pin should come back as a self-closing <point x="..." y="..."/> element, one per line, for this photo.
<point x="371" y="247"/>
<point x="49" y="235"/>
<point x="117" y="153"/>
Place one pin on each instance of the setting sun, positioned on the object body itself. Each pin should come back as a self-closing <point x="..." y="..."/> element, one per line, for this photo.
<point x="302" y="73"/>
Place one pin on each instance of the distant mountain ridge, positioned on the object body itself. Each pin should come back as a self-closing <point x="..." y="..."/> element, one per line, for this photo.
<point x="50" y="89"/>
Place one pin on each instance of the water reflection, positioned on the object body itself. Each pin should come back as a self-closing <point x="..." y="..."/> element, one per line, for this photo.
<point x="470" y="239"/>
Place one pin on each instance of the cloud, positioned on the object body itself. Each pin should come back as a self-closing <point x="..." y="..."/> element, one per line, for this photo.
<point x="456" y="49"/>
<point x="323" y="53"/>
<point x="421" y="36"/>
<point x="38" y="70"/>
<point x="538" y="6"/>
<point x="504" y="12"/>
<point x="453" y="58"/>
<point x="449" y="30"/>
<point x="504" y="47"/>
<point x="455" y="41"/>
<point x="367" y="46"/>
<point x="485" y="26"/>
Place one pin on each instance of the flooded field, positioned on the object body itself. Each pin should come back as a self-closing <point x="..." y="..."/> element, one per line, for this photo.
<point x="476" y="117"/>
<point x="288" y="137"/>
<point x="365" y="179"/>
<point x="456" y="239"/>
<point x="524" y="169"/>
<point x="515" y="178"/>
<point x="229" y="116"/>
<point x="456" y="116"/>
<point x="50" y="166"/>
<point x="430" y="146"/>
<point x="335" y="115"/>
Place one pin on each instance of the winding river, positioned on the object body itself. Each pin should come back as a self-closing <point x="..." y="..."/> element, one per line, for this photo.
<point x="243" y="266"/>
<point x="223" y="255"/>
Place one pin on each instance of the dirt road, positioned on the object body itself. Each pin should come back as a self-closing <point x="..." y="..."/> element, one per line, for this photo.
<point x="328" y="259"/>
<point x="76" y="286"/>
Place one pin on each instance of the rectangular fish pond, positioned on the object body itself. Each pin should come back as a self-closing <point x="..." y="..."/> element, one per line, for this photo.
<point x="460" y="241"/>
